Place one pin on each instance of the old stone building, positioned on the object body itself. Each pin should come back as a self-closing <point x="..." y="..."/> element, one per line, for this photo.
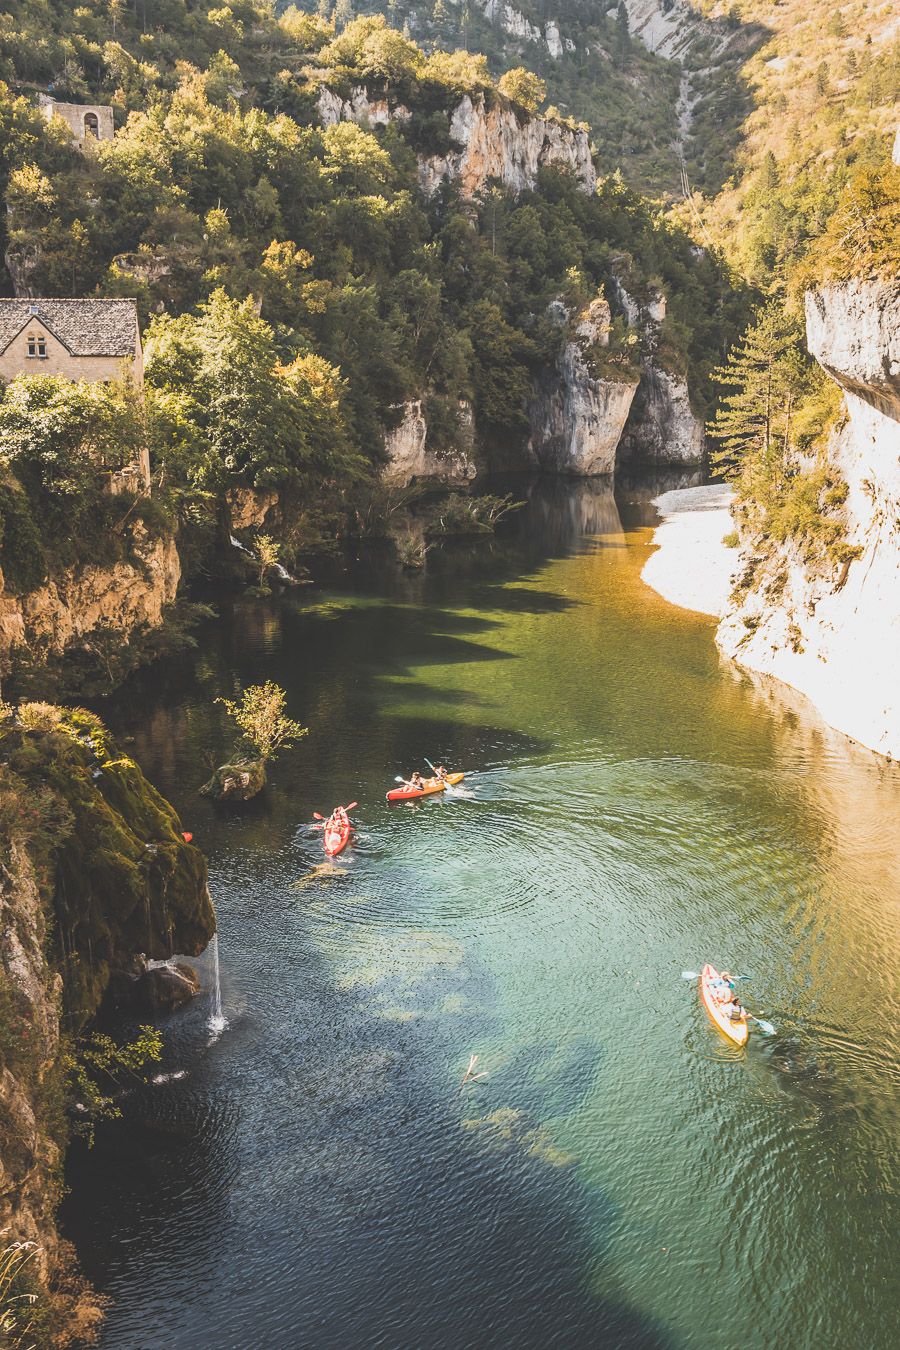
<point x="79" y="339"/>
<point x="86" y="121"/>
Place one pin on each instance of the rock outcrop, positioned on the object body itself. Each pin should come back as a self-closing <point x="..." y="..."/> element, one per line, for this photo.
<point x="68" y="607"/>
<point x="834" y="632"/>
<point x="662" y="427"/>
<point x="495" y="142"/>
<point x="577" y="414"/>
<point x="93" y="870"/>
<point x="491" y="139"/>
<point x="410" y="457"/>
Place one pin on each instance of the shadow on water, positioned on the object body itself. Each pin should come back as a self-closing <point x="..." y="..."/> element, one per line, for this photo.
<point x="331" y="1192"/>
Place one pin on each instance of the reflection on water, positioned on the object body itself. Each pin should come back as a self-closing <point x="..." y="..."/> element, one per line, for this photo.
<point x="622" y="1176"/>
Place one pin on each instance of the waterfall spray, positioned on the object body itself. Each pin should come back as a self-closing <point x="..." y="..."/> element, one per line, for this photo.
<point x="217" y="1021"/>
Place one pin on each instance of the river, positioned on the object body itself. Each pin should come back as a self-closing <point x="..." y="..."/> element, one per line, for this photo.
<point x="318" y="1177"/>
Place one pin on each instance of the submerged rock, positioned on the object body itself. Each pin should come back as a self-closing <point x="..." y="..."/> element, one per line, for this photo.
<point x="236" y="782"/>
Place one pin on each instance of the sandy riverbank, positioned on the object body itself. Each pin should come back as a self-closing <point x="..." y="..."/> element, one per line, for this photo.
<point x="691" y="567"/>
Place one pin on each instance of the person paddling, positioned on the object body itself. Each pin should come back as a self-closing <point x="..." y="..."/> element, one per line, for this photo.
<point x="734" y="1011"/>
<point x="414" y="782"/>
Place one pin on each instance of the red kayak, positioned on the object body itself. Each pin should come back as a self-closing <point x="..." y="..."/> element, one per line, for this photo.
<point x="336" y="834"/>
<point x="429" y="785"/>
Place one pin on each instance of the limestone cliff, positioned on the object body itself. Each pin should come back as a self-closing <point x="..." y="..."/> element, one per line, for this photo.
<point x="70" y="605"/>
<point x="491" y="141"/>
<point x="834" y="633"/>
<point x="411" y="457"/>
<point x="662" y="427"/>
<point x="578" y="413"/>
<point x="93" y="871"/>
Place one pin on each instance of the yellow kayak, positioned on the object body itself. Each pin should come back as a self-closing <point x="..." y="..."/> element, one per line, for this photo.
<point x="710" y="996"/>
<point x="429" y="785"/>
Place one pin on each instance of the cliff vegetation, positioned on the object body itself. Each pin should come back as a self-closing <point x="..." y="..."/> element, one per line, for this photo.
<point x="93" y="872"/>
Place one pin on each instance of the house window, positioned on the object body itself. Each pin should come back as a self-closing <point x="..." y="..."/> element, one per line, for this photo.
<point x="91" y="126"/>
<point x="37" y="346"/>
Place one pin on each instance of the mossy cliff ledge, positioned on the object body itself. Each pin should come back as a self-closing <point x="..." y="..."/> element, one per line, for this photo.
<point x="94" y="872"/>
<point x="831" y="627"/>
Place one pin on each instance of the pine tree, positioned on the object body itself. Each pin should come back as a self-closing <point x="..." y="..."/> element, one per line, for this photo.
<point x="764" y="372"/>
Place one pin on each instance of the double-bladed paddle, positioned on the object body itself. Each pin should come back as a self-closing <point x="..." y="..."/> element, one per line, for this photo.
<point x="448" y="787"/>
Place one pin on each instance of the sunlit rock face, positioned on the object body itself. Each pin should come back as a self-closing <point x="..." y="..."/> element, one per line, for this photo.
<point x="412" y="457"/>
<point x="578" y="414"/>
<point x="491" y="139"/>
<point x="496" y="142"/>
<point x="834" y="633"/>
<point x="71" y="604"/>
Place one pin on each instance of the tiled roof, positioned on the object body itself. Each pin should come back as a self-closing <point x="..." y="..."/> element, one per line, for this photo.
<point x="87" y="327"/>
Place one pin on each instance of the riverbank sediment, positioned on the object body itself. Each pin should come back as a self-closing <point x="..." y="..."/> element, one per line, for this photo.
<point x="692" y="566"/>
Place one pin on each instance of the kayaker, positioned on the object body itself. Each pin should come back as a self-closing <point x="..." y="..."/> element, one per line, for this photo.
<point x="440" y="772"/>
<point x="414" y="782"/>
<point x="734" y="1010"/>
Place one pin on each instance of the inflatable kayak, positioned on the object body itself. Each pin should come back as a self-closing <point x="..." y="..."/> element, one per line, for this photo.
<point x="710" y="991"/>
<point x="429" y="785"/>
<point x="336" y="836"/>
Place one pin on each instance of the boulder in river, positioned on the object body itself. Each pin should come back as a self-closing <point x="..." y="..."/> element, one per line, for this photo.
<point x="236" y="782"/>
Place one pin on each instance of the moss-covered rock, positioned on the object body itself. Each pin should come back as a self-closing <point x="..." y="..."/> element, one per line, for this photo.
<point x="117" y="877"/>
<point x="236" y="782"/>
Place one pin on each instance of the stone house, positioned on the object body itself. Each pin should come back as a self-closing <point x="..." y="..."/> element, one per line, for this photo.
<point x="86" y="121"/>
<point x="87" y="339"/>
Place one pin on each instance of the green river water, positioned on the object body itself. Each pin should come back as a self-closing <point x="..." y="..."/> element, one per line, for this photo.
<point x="316" y="1176"/>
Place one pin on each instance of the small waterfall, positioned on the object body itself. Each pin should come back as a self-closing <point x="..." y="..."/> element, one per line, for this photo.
<point x="216" y="1023"/>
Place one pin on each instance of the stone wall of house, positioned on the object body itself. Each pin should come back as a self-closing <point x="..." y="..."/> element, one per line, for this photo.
<point x="74" y="115"/>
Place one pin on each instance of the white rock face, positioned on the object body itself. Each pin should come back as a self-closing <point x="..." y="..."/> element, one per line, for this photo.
<point x="666" y="31"/>
<point x="662" y="427"/>
<point x="834" y="634"/>
<point x="411" y="459"/>
<point x="576" y="418"/>
<point x="359" y="108"/>
<point x="553" y="41"/>
<point x="494" y="144"/>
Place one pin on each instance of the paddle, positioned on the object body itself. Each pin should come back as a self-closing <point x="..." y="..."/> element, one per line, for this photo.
<point x="695" y="975"/>
<point x="448" y="787"/>
<point x="317" y="815"/>
<point x="765" y="1027"/>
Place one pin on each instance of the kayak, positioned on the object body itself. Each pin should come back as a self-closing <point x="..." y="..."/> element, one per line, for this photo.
<point x="336" y="837"/>
<point x="735" y="1031"/>
<point x="429" y="785"/>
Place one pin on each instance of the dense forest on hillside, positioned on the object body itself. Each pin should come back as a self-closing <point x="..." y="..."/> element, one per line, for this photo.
<point x="296" y="284"/>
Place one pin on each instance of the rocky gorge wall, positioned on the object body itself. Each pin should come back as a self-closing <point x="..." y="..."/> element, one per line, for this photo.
<point x="124" y="596"/>
<point x="834" y="633"/>
<point x="577" y="413"/>
<point x="94" y="874"/>
<point x="491" y="140"/>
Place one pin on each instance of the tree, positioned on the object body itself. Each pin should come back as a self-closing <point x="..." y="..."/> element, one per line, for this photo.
<point x="268" y="553"/>
<point x="623" y="36"/>
<point x="225" y="411"/>
<point x="524" y="88"/>
<point x="765" y="373"/>
<point x="259" y="715"/>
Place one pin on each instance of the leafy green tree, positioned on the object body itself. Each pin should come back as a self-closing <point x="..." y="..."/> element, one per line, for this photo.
<point x="259" y="716"/>
<point x="227" y="412"/>
<point x="524" y="88"/>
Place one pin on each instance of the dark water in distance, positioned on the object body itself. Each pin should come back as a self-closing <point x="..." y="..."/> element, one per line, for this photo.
<point x="622" y="1177"/>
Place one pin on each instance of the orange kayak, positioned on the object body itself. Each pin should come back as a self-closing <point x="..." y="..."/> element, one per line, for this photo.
<point x="336" y="836"/>
<point x="429" y="785"/>
<point x="710" y="991"/>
